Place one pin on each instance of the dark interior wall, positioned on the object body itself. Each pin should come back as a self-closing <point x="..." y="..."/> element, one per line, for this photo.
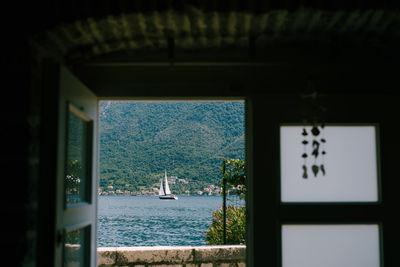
<point x="341" y="75"/>
<point x="18" y="214"/>
<point x="330" y="73"/>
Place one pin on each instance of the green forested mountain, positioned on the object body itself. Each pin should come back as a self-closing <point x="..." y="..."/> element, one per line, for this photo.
<point x="138" y="140"/>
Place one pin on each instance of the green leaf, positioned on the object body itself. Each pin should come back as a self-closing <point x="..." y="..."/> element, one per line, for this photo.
<point x="315" y="153"/>
<point x="315" y="143"/>
<point x="322" y="169"/>
<point x="315" y="169"/>
<point x="305" y="175"/>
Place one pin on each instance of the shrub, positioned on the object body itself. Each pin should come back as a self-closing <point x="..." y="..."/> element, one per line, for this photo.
<point x="235" y="226"/>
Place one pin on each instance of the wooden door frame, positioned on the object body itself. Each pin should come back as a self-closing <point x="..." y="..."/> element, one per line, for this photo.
<point x="49" y="237"/>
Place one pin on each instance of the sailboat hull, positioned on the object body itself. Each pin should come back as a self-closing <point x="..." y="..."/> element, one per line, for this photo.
<point x="165" y="197"/>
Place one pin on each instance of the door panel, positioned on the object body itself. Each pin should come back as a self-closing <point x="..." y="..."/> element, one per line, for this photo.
<point x="76" y="250"/>
<point x="78" y="174"/>
<point x="77" y="151"/>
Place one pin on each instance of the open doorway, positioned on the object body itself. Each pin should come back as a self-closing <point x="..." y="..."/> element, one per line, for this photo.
<point x="147" y="146"/>
<point x="76" y="223"/>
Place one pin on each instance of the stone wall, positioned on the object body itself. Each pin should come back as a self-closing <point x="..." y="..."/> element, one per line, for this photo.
<point x="185" y="256"/>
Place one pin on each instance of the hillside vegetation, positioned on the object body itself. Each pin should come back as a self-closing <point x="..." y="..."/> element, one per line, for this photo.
<point x="138" y="140"/>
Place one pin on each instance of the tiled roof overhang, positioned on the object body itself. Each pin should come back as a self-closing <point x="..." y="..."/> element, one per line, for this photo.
<point x="195" y="28"/>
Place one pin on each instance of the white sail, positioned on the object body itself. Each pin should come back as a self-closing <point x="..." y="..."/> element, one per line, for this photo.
<point x="161" y="193"/>
<point x="167" y="191"/>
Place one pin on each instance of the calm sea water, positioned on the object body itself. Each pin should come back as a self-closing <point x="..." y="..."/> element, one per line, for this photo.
<point x="149" y="221"/>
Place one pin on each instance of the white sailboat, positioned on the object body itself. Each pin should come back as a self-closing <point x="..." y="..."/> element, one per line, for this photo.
<point x="166" y="193"/>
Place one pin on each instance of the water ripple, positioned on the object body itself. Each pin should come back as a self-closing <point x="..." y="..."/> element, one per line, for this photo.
<point x="148" y="221"/>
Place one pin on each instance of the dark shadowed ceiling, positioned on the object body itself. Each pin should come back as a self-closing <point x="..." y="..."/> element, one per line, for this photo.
<point x="226" y="44"/>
